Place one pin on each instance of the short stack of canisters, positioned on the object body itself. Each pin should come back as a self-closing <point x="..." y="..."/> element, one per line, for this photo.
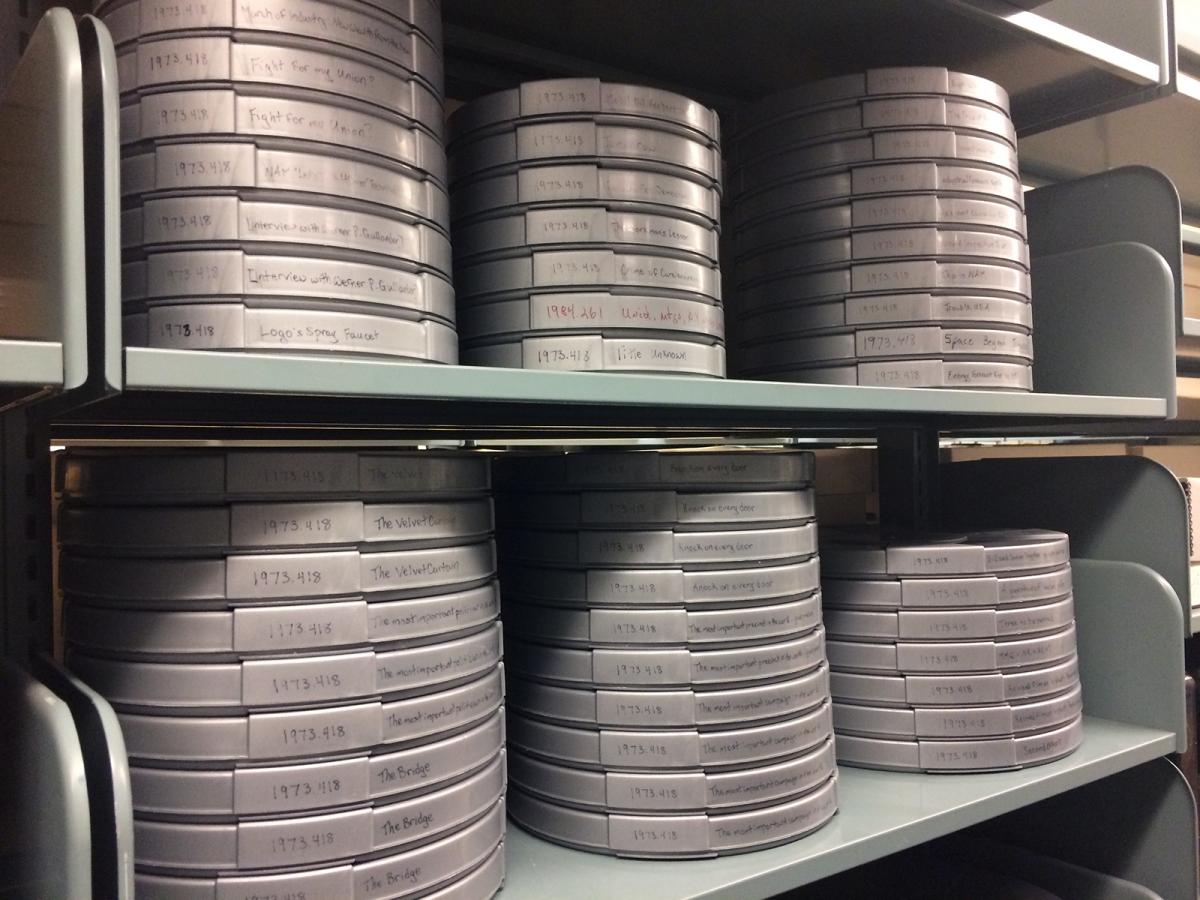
<point x="669" y="695"/>
<point x="879" y="235"/>
<point x="304" y="653"/>
<point x="952" y="653"/>
<point x="586" y="219"/>
<point x="283" y="177"/>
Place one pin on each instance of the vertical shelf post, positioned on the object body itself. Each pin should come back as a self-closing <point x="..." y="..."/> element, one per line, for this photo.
<point x="909" y="488"/>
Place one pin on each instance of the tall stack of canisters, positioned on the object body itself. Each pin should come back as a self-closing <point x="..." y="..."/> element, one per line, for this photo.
<point x="953" y="652"/>
<point x="586" y="218"/>
<point x="283" y="177"/>
<point x="669" y="693"/>
<point x="879" y="234"/>
<point x="304" y="655"/>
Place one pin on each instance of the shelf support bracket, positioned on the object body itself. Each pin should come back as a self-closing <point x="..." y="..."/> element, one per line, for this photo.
<point x="909" y="489"/>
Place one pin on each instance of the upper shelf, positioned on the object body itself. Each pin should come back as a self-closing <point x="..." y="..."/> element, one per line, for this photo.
<point x="179" y="387"/>
<point x="1060" y="61"/>
<point x="42" y="268"/>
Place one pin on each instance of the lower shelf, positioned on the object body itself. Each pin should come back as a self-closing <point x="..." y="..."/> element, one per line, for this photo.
<point x="880" y="813"/>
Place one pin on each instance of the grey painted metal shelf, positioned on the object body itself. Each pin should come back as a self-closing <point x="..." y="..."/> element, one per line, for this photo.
<point x="880" y="813"/>
<point x="42" y="310"/>
<point x="1060" y="60"/>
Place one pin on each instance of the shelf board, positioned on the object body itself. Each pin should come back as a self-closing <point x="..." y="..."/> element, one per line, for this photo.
<point x="28" y="370"/>
<point x="714" y="51"/>
<point x="880" y="813"/>
<point x="231" y="389"/>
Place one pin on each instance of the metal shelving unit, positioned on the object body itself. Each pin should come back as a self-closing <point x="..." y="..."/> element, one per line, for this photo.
<point x="1113" y="269"/>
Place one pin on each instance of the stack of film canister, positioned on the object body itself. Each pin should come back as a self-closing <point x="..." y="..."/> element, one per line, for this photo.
<point x="586" y="219"/>
<point x="668" y="689"/>
<point x="879" y="235"/>
<point x="283" y="177"/>
<point x="303" y="651"/>
<point x="952" y="653"/>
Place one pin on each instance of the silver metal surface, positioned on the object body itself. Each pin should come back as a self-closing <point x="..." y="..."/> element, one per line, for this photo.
<point x="676" y="667"/>
<point x="211" y="475"/>
<point x="194" y="221"/>
<point x="235" y="326"/>
<point x="954" y="690"/>
<point x="1000" y="720"/>
<point x="661" y="547"/>
<point x="205" y="275"/>
<point x="686" y="708"/>
<point x="585" y="139"/>
<point x="663" y="836"/>
<point x="920" y="373"/>
<point x="325" y="731"/>
<point x="318" y="837"/>
<point x="951" y="625"/>
<point x="266" y="629"/>
<point x="217" y="112"/>
<point x="922" y="341"/>
<point x="982" y="755"/>
<point x="679" y="509"/>
<point x="549" y="311"/>
<point x="657" y="749"/>
<point x="384" y="32"/>
<point x="571" y="225"/>
<point x="600" y="181"/>
<point x="566" y="96"/>
<point x="154" y="63"/>
<point x="655" y="588"/>
<point x="915" y="657"/>
<point x="337" y="172"/>
<point x="860" y="552"/>
<point x="597" y="267"/>
<point x="272" y="682"/>
<point x="593" y="353"/>
<point x="673" y="792"/>
<point x="598" y="627"/>
<point x="257" y="577"/>
<point x="431" y="866"/>
<point x="879" y="179"/>
<point x="880" y="310"/>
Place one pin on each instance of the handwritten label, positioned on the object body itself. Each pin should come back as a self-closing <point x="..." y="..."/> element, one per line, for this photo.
<point x="289" y="788"/>
<point x="307" y="679"/>
<point x="331" y="124"/>
<point x="633" y="667"/>
<point x="405" y="720"/>
<point x="638" y="626"/>
<point x="296" y="627"/>
<point x="655" y="835"/>
<point x="309" y="839"/>
<point x="337" y="882"/>
<point x="335" y="23"/>
<point x="312" y="732"/>
<point x="291" y="575"/>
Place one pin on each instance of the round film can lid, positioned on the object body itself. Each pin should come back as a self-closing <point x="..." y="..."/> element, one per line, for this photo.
<point x="676" y="667"/>
<point x="275" y="843"/>
<point x="861" y="553"/>
<point x="910" y="657"/>
<point x="979" y="755"/>
<point x="436" y="864"/>
<point x="949" y="625"/>
<point x="145" y="478"/>
<point x="976" y="374"/>
<point x="323" y="731"/>
<point x="305" y="785"/>
<point x="676" y="791"/>
<point x="655" y="588"/>
<point x="681" y="509"/>
<point x="265" y="683"/>
<point x="718" y="469"/>
<point x="613" y="626"/>
<point x="675" y="836"/>
<point x="999" y="720"/>
<point x="278" y="628"/>
<point x="601" y="353"/>
<point x="658" y="749"/>
<point x="725" y="708"/>
<point x="565" y="96"/>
